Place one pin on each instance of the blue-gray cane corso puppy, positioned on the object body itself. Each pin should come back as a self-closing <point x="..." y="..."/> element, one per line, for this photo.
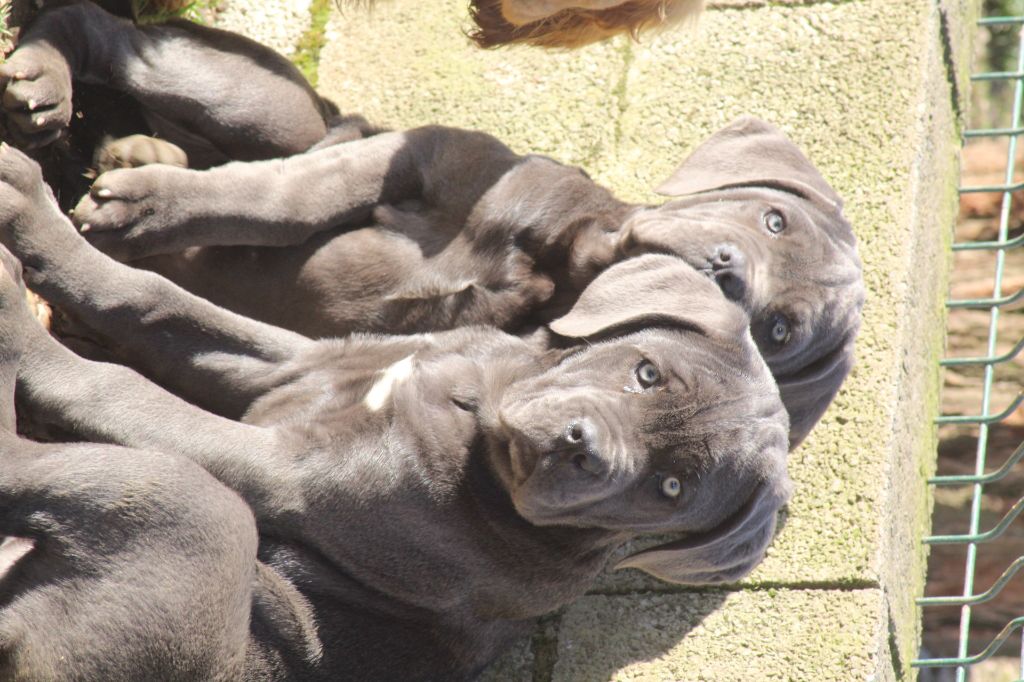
<point x="388" y="507"/>
<point x="427" y="229"/>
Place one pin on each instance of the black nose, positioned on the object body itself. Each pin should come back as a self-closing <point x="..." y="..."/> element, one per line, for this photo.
<point x="583" y="453"/>
<point x="729" y="270"/>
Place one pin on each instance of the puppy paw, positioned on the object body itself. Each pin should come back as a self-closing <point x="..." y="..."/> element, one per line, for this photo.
<point x="12" y="284"/>
<point x="135" y="199"/>
<point x="14" y="293"/>
<point x="31" y="224"/>
<point x="22" y="190"/>
<point x="135" y="151"/>
<point x="16" y="312"/>
<point x="36" y="101"/>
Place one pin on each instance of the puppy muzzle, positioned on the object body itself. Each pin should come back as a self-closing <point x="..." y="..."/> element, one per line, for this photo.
<point x="727" y="266"/>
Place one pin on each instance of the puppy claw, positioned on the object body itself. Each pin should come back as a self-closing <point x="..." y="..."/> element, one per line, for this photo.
<point x="32" y="104"/>
<point x="104" y="193"/>
<point x="20" y="75"/>
<point x="41" y="121"/>
<point x="85" y="228"/>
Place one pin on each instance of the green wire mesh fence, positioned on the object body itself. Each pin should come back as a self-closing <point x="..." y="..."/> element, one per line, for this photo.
<point x="973" y="611"/>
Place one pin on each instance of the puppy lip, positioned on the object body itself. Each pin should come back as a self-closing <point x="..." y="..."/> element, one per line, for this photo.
<point x="523" y="457"/>
<point x="692" y="539"/>
<point x="725" y="527"/>
<point x="644" y="528"/>
<point x="571" y="451"/>
<point x="545" y="515"/>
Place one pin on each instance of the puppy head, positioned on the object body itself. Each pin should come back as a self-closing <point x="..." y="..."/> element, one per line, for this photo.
<point x="665" y="419"/>
<point x="759" y="220"/>
<point x="572" y="23"/>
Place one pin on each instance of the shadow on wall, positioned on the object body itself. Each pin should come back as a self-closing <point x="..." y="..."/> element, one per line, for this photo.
<point x="580" y="632"/>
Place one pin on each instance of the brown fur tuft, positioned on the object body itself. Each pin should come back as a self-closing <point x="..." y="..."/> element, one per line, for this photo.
<point x="572" y="28"/>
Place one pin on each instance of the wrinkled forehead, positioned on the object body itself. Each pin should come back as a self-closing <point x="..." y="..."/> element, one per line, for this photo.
<point x="714" y="421"/>
<point x="745" y="202"/>
<point x="709" y="372"/>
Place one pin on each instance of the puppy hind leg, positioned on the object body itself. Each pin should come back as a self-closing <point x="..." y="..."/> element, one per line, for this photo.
<point x="218" y="95"/>
<point x="241" y="98"/>
<point x="142" y="566"/>
<point x="244" y="100"/>
<point x="118" y="564"/>
<point x="12" y="342"/>
<point x="13" y="309"/>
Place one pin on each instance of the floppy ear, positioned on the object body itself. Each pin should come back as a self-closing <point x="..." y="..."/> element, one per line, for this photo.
<point x="650" y="289"/>
<point x="750" y="152"/>
<point x="724" y="556"/>
<point x="808" y="393"/>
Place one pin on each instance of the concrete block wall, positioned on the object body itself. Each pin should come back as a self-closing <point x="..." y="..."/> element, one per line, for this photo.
<point x="873" y="91"/>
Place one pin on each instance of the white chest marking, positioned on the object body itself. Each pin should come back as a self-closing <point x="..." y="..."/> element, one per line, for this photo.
<point x="380" y="392"/>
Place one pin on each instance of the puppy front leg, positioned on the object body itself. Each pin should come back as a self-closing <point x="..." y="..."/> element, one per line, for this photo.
<point x="153" y="210"/>
<point x="213" y="358"/>
<point x="101" y="402"/>
<point x="105" y="403"/>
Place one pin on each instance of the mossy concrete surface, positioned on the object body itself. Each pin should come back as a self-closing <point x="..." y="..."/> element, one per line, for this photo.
<point x="734" y="636"/>
<point x="872" y="91"/>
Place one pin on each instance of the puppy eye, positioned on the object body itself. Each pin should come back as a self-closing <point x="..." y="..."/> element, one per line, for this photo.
<point x="671" y="487"/>
<point x="647" y="374"/>
<point x="774" y="221"/>
<point x="780" y="329"/>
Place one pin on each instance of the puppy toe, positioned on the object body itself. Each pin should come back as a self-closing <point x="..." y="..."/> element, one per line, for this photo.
<point x="135" y="151"/>
<point x="90" y="215"/>
<point x="34" y="95"/>
<point x="35" y="109"/>
<point x="17" y="170"/>
<point x="10" y="270"/>
<point x="110" y="205"/>
<point x="20" y="66"/>
<point x="30" y="131"/>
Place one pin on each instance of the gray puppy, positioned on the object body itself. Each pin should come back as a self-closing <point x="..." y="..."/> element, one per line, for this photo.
<point x="419" y="500"/>
<point x="431" y="228"/>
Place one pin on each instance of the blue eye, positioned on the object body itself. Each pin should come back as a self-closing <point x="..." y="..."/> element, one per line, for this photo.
<point x="780" y="329"/>
<point x="647" y="374"/>
<point x="671" y="487"/>
<point x="774" y="221"/>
